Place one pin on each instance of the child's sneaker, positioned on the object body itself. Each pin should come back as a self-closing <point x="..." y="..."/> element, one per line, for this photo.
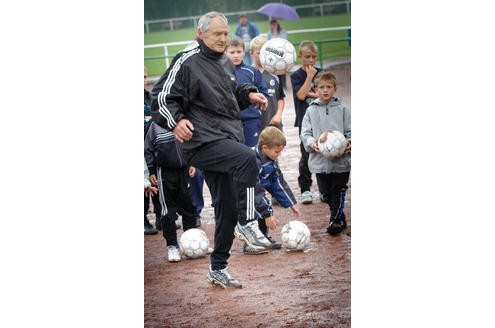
<point x="307" y="197"/>
<point x="223" y="278"/>
<point x="251" y="234"/>
<point x="334" y="228"/>
<point x="252" y="251"/>
<point x="173" y="253"/>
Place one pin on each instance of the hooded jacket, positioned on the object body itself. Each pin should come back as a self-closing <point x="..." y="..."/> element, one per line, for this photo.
<point x="200" y="85"/>
<point x="318" y="119"/>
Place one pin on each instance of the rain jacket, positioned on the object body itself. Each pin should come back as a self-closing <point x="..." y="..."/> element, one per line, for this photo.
<point x="200" y="85"/>
<point x="318" y="119"/>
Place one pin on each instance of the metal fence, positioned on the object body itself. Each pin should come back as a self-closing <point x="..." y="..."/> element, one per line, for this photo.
<point x="320" y="9"/>
<point x="167" y="56"/>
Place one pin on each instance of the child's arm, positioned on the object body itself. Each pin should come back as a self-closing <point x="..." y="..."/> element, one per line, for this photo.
<point x="277" y="118"/>
<point x="307" y="138"/>
<point x="305" y="91"/>
<point x="271" y="222"/>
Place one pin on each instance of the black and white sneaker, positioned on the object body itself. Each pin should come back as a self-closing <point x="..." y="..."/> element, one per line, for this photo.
<point x="222" y="278"/>
<point x="334" y="228"/>
<point x="251" y="234"/>
<point x="246" y="249"/>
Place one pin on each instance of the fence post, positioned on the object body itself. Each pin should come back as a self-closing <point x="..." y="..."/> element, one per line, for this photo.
<point x="320" y="54"/>
<point x="165" y="50"/>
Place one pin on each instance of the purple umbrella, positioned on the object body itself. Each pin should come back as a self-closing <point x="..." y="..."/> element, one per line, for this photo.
<point x="279" y="10"/>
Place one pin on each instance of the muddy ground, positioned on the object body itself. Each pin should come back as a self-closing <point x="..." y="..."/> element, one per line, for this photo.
<point x="280" y="289"/>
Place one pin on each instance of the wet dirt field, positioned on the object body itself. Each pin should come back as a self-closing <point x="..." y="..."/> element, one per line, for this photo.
<point x="280" y="289"/>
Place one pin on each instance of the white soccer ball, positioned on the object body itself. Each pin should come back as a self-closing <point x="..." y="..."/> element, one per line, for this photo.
<point x="334" y="146"/>
<point x="194" y="243"/>
<point x="277" y="56"/>
<point x="295" y="235"/>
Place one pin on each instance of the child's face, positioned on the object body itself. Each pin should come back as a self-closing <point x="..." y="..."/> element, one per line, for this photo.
<point x="272" y="153"/>
<point x="236" y="54"/>
<point x="325" y="90"/>
<point x="255" y="53"/>
<point x="308" y="57"/>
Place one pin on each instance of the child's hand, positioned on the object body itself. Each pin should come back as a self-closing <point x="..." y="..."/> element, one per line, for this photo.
<point x="324" y="136"/>
<point x="271" y="222"/>
<point x="310" y="71"/>
<point x="153" y="181"/>
<point x="348" y="147"/>
<point x="151" y="191"/>
<point x="295" y="209"/>
<point x="315" y="146"/>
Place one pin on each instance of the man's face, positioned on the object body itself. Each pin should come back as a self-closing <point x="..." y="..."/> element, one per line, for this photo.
<point x="236" y="54"/>
<point x="216" y="35"/>
<point x="243" y="20"/>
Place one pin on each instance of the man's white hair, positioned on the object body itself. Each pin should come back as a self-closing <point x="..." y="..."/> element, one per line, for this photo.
<point x="204" y="21"/>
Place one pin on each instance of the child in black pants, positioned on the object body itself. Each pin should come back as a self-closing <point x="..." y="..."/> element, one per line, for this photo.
<point x="168" y="169"/>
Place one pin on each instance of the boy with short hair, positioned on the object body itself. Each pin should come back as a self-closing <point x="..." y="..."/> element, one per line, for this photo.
<point x="250" y="116"/>
<point x="271" y="143"/>
<point x="304" y="93"/>
<point x="332" y="174"/>
<point x="273" y="113"/>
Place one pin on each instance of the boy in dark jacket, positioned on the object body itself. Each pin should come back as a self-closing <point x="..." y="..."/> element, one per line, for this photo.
<point x="271" y="143"/>
<point x="169" y="170"/>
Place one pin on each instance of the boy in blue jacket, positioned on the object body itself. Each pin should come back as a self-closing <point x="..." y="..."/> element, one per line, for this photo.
<point x="250" y="116"/>
<point x="271" y="143"/>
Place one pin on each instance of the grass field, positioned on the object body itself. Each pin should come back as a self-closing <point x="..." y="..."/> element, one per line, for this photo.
<point x="328" y="49"/>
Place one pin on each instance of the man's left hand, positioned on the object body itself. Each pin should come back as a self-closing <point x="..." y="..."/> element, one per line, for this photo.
<point x="259" y="100"/>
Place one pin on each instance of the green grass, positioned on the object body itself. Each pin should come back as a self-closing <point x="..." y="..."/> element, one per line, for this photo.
<point x="329" y="50"/>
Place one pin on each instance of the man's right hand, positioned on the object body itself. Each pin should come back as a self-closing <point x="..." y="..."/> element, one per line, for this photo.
<point x="183" y="130"/>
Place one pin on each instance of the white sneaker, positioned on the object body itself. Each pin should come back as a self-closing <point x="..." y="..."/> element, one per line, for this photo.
<point x="173" y="253"/>
<point x="307" y="197"/>
<point x="251" y="234"/>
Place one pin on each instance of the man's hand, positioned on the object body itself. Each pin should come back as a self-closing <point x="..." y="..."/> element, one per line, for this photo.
<point x="258" y="99"/>
<point x="183" y="130"/>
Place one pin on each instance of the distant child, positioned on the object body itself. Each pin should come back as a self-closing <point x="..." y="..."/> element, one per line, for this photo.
<point x="149" y="190"/>
<point x="324" y="114"/>
<point x="271" y="143"/>
<point x="148" y="228"/>
<point x="304" y="93"/>
<point x="250" y="116"/>
<point x="273" y="113"/>
<point x="172" y="174"/>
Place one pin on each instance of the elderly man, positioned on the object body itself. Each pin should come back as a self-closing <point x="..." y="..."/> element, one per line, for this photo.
<point x="198" y="99"/>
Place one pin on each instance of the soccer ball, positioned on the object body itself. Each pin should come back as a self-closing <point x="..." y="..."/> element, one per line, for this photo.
<point x="334" y="146"/>
<point x="295" y="235"/>
<point x="277" y="56"/>
<point x="194" y="243"/>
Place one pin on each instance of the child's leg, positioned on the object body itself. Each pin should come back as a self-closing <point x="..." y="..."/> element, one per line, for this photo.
<point x="336" y="196"/>
<point x="263" y="227"/>
<point x="184" y="199"/>
<point x="167" y="191"/>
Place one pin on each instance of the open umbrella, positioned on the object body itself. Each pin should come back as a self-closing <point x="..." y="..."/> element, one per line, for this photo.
<point x="279" y="10"/>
